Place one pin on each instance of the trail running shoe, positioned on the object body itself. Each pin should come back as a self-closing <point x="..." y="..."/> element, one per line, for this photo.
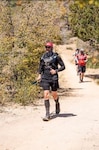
<point x="81" y="80"/>
<point x="46" y="118"/>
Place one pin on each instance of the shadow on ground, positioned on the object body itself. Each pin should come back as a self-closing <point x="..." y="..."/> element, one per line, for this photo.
<point x="68" y="92"/>
<point x="53" y="116"/>
<point x="92" y="76"/>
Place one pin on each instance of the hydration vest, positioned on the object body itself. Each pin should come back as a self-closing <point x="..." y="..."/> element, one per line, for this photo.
<point x="49" y="62"/>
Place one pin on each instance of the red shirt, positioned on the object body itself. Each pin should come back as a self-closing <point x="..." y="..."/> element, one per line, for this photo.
<point x="81" y="59"/>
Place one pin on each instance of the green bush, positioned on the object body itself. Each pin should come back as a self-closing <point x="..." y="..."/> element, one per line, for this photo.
<point x="93" y="62"/>
<point x="84" y="21"/>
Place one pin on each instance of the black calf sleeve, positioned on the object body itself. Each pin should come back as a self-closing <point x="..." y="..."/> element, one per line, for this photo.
<point x="47" y="107"/>
<point x="57" y="100"/>
<point x="47" y="103"/>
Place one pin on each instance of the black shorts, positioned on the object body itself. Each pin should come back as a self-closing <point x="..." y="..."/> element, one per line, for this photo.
<point x="53" y="86"/>
<point x="81" y="69"/>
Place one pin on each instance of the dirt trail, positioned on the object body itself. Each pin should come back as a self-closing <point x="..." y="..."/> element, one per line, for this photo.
<point x="75" y="128"/>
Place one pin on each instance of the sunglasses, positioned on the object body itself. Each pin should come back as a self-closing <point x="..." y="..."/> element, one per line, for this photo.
<point x="47" y="47"/>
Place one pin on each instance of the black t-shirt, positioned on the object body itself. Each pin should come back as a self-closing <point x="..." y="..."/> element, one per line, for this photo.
<point x="48" y="61"/>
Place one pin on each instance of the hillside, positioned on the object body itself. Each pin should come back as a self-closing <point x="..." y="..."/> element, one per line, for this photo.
<point x="24" y="30"/>
<point x="25" y="26"/>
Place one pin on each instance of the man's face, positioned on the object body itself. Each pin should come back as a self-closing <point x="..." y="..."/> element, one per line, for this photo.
<point x="48" y="48"/>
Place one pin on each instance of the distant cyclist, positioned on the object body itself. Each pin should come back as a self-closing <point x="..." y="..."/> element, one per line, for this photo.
<point x="81" y="59"/>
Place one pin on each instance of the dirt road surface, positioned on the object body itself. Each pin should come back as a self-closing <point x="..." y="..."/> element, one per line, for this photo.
<point x="75" y="128"/>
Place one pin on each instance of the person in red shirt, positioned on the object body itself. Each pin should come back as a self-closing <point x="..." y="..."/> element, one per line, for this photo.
<point x="81" y="59"/>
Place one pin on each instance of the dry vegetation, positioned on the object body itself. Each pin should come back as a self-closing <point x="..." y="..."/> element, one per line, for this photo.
<point x="25" y="26"/>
